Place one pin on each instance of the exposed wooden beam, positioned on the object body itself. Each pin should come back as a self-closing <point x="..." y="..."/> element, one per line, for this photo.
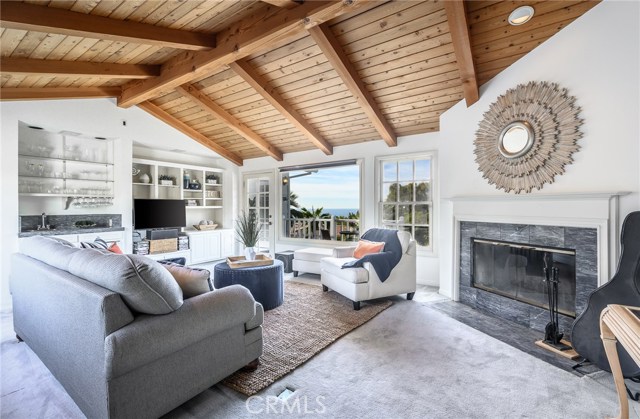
<point x="43" y="93"/>
<point x="189" y="132"/>
<point x="328" y="43"/>
<point x="250" y="35"/>
<point x="287" y="4"/>
<point x="251" y="76"/>
<point x="10" y="65"/>
<point x="459" y="29"/>
<point x="30" y="17"/>
<point x="214" y="109"/>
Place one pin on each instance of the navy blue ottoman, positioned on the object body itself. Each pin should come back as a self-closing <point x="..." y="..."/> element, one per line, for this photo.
<point x="264" y="282"/>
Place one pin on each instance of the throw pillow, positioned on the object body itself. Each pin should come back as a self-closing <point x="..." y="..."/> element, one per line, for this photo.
<point x="365" y="247"/>
<point x="144" y="285"/>
<point x="98" y="243"/>
<point x="114" y="248"/>
<point x="192" y="281"/>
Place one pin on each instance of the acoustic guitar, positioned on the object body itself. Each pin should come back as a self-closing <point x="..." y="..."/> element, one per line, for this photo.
<point x="623" y="289"/>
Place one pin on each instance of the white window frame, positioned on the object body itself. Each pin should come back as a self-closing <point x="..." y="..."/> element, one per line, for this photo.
<point x="294" y="241"/>
<point x="433" y="207"/>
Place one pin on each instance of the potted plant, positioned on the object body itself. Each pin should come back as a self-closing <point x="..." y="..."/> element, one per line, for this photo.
<point x="248" y="232"/>
<point x="167" y="180"/>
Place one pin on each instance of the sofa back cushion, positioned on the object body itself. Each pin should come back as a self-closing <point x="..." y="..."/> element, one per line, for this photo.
<point x="145" y="286"/>
<point x="50" y="250"/>
<point x="405" y="240"/>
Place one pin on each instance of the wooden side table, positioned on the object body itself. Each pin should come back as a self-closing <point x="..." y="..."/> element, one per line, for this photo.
<point x="619" y="324"/>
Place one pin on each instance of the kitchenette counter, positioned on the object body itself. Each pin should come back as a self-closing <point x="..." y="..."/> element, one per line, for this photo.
<point x="64" y="231"/>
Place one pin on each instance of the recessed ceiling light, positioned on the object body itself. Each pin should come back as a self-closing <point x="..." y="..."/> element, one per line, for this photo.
<point x="177" y="150"/>
<point x="521" y="15"/>
<point x="34" y="127"/>
<point x="100" y="138"/>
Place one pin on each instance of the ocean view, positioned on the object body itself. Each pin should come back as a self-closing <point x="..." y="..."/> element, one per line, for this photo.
<point x="339" y="212"/>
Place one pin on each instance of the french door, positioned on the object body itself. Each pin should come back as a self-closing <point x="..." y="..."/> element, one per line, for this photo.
<point x="257" y="198"/>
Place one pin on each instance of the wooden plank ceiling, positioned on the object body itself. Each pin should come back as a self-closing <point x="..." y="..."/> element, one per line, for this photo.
<point x="263" y="78"/>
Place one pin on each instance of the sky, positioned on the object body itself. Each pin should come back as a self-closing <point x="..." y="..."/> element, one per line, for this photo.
<point x="337" y="187"/>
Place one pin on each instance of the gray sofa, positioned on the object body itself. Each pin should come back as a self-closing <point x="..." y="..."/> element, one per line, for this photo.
<point x="113" y="361"/>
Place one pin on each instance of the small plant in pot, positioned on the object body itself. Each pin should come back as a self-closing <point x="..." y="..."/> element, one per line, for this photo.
<point x="167" y="180"/>
<point x="248" y="233"/>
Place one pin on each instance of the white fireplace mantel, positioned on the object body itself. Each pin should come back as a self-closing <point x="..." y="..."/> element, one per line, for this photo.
<point x="590" y="210"/>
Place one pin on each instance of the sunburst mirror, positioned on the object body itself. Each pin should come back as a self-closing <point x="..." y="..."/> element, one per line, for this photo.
<point x="527" y="137"/>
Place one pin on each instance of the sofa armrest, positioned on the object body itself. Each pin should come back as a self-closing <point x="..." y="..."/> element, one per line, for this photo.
<point x="257" y="320"/>
<point x="151" y="337"/>
<point x="343" y="251"/>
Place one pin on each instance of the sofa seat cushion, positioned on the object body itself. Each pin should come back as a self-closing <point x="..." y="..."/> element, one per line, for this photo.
<point x="354" y="275"/>
<point x="312" y="254"/>
<point x="145" y="286"/>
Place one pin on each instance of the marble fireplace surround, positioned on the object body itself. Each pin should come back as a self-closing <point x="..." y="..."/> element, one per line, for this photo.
<point x="583" y="240"/>
<point x="586" y="222"/>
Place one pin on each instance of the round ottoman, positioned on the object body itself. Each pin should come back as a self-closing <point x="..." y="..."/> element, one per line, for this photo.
<point x="264" y="282"/>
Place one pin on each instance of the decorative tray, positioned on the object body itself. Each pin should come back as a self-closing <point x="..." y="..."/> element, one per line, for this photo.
<point x="236" y="262"/>
<point x="203" y="227"/>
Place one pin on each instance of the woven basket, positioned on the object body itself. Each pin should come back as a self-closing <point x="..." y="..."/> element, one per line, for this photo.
<point x="204" y="227"/>
<point x="163" y="246"/>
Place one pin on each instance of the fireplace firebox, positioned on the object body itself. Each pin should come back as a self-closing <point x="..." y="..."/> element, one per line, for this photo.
<point x="516" y="271"/>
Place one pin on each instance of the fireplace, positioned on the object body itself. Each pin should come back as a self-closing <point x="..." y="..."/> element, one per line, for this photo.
<point x="517" y="271"/>
<point x="491" y="287"/>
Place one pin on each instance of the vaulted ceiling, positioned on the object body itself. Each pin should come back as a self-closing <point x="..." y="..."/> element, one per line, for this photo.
<point x="263" y="78"/>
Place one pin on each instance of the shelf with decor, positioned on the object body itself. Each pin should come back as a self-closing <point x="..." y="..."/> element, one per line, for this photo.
<point x="168" y="180"/>
<point x="64" y="164"/>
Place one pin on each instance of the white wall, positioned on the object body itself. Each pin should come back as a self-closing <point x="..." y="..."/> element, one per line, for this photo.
<point x="597" y="59"/>
<point x="97" y="117"/>
<point x="427" y="269"/>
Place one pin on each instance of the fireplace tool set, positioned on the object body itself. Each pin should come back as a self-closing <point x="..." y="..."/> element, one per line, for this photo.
<point x="552" y="335"/>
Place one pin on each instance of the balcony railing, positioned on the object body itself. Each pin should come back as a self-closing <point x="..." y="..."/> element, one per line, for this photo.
<point x="322" y="228"/>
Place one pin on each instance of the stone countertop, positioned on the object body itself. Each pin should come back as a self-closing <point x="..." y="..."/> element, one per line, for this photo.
<point x="59" y="232"/>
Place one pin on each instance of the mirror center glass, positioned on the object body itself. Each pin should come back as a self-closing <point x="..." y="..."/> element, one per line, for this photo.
<point x="516" y="139"/>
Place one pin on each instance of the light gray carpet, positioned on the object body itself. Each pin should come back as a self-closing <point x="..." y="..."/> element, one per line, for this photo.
<point x="410" y="361"/>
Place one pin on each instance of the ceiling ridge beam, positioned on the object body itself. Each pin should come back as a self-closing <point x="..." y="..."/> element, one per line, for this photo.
<point x="331" y="48"/>
<point x="30" y="17"/>
<point x="192" y="93"/>
<point x="243" y="38"/>
<point x="174" y="122"/>
<point x="11" y="65"/>
<point x="251" y="76"/>
<point x="45" y="93"/>
<point x="459" y="29"/>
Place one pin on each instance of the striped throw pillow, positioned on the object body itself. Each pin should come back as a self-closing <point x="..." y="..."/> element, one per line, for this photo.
<point x="98" y="243"/>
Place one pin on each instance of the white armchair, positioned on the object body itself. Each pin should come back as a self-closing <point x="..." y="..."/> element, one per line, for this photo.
<point x="361" y="284"/>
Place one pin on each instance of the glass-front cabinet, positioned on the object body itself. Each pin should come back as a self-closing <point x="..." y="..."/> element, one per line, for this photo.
<point x="65" y="164"/>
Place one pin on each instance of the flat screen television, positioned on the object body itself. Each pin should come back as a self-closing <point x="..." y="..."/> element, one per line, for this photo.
<point x="159" y="213"/>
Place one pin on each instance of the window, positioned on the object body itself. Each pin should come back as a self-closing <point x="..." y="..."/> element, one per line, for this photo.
<point x="321" y="202"/>
<point x="405" y="196"/>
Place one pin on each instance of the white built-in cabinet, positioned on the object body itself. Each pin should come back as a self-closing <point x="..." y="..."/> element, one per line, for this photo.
<point x="204" y="198"/>
<point x="206" y="246"/>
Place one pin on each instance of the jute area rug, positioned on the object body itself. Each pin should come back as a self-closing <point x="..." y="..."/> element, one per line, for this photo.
<point x="307" y="322"/>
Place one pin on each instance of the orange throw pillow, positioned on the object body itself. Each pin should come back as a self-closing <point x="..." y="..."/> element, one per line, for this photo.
<point x="115" y="249"/>
<point x="365" y="247"/>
